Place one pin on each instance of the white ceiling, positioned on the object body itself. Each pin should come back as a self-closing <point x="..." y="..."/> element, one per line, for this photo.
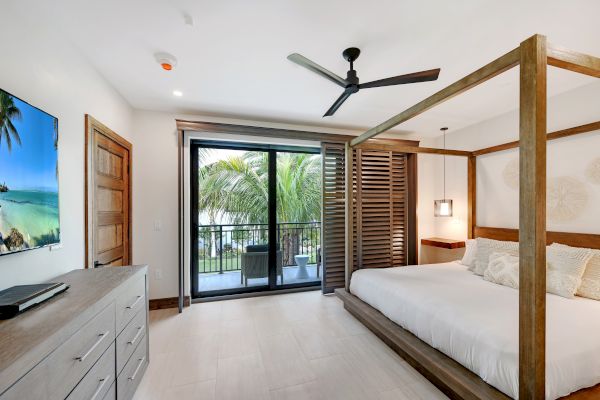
<point x="232" y="62"/>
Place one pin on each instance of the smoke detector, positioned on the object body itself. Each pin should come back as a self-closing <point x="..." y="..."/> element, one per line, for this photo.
<point x="167" y="61"/>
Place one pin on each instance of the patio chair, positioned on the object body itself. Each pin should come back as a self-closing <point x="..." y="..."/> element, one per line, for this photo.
<point x="254" y="263"/>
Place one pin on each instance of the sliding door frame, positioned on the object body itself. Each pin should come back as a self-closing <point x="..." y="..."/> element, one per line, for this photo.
<point x="272" y="151"/>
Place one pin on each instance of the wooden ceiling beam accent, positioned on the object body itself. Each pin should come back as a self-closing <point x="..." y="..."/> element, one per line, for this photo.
<point x="574" y="61"/>
<point x="489" y="71"/>
<point x="278" y="133"/>
<point x="594" y="126"/>
<point x="411" y="149"/>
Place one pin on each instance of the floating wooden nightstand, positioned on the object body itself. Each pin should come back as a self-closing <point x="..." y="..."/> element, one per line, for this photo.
<point x="438" y="250"/>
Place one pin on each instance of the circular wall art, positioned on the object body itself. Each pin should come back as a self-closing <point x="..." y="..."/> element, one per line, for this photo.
<point x="510" y="174"/>
<point x="567" y="198"/>
<point x="592" y="172"/>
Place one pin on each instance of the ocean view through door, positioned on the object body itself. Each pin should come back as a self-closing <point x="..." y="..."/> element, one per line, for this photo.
<point x="242" y="196"/>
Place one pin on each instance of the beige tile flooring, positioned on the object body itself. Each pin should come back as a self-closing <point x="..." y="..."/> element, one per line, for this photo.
<point x="300" y="346"/>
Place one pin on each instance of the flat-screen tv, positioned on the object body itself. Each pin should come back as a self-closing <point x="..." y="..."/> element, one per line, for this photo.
<point x="28" y="176"/>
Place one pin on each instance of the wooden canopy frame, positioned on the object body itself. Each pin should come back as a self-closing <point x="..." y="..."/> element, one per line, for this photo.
<point x="533" y="56"/>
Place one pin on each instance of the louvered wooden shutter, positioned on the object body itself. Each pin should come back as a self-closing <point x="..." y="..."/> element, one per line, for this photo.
<point x="381" y="211"/>
<point x="333" y="218"/>
<point x="400" y="210"/>
<point x="380" y="208"/>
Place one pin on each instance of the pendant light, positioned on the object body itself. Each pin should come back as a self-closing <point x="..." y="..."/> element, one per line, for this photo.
<point x="443" y="207"/>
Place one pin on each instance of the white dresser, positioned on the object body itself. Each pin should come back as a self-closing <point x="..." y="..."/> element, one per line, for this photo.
<point x="90" y="342"/>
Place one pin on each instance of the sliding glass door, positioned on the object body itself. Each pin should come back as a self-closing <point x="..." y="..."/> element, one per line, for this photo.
<point x="241" y="197"/>
<point x="299" y="216"/>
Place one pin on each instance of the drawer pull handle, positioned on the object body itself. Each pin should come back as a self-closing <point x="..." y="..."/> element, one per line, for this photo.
<point x="137" y="369"/>
<point x="134" y="303"/>
<point x="137" y="335"/>
<point x="100" y="387"/>
<point x="87" y="353"/>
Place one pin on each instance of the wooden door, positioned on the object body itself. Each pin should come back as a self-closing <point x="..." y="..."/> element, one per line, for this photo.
<point x="108" y="197"/>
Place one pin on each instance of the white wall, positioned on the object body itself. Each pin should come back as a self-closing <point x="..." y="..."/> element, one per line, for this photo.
<point x="497" y="204"/>
<point x="42" y="69"/>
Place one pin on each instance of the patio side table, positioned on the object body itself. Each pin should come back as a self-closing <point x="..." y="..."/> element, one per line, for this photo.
<point x="301" y="260"/>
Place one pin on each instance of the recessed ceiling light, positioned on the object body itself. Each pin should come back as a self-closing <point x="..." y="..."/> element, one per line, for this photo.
<point x="177" y="93"/>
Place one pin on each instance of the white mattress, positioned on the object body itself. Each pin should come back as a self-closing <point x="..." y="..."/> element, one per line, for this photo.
<point x="476" y="323"/>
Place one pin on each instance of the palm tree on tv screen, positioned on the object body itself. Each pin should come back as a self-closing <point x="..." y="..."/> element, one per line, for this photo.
<point x="8" y="112"/>
<point x="237" y="186"/>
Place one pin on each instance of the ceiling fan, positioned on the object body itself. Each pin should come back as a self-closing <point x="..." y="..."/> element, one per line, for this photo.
<point x="351" y="84"/>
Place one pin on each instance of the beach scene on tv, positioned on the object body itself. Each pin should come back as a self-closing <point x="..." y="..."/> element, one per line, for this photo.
<point x="28" y="176"/>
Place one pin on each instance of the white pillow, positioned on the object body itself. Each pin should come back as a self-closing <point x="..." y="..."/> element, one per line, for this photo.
<point x="470" y="253"/>
<point x="562" y="275"/>
<point x="566" y="266"/>
<point x="485" y="247"/>
<point x="503" y="269"/>
<point x="590" y="282"/>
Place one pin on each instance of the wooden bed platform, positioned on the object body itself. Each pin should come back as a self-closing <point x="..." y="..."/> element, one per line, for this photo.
<point x="454" y="380"/>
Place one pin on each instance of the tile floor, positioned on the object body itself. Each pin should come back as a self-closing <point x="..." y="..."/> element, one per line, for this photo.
<point x="300" y="346"/>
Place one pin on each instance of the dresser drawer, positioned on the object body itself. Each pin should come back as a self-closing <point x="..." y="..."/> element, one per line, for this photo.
<point x="32" y="386"/>
<point x="96" y="384"/>
<point x="130" y="301"/>
<point x="128" y="340"/>
<point x="132" y="373"/>
<point x="112" y="392"/>
<point x="59" y="373"/>
<point x="74" y="358"/>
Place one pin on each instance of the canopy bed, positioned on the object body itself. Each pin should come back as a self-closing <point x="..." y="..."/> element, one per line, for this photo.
<point x="455" y="350"/>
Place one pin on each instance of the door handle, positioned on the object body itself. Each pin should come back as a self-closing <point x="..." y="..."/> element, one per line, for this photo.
<point x="103" y="382"/>
<point x="91" y="349"/>
<point x="141" y="362"/>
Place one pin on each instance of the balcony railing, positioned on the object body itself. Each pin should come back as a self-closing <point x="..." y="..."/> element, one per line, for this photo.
<point x="220" y="246"/>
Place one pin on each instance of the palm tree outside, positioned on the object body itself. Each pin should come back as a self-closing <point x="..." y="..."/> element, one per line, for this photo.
<point x="235" y="189"/>
<point x="8" y="112"/>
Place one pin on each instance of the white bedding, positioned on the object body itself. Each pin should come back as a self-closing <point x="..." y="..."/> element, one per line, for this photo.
<point x="476" y="323"/>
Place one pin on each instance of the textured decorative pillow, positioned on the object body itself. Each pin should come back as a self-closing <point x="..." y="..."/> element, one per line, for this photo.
<point x="485" y="247"/>
<point x="566" y="266"/>
<point x="470" y="253"/>
<point x="590" y="282"/>
<point x="503" y="269"/>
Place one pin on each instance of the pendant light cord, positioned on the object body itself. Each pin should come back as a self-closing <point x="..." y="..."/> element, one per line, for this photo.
<point x="444" y="166"/>
<point x="444" y="137"/>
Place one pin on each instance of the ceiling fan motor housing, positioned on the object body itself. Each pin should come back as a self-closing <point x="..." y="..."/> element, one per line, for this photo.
<point x="352" y="79"/>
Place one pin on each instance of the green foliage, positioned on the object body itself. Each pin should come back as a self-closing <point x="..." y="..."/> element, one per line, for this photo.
<point x="8" y="112"/>
<point x="238" y="187"/>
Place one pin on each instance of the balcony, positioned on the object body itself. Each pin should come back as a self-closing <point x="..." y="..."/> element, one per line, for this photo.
<point x="236" y="255"/>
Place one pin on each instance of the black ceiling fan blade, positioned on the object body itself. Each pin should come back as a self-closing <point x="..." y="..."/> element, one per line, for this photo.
<point x="338" y="103"/>
<point x="415" y="77"/>
<point x="316" y="68"/>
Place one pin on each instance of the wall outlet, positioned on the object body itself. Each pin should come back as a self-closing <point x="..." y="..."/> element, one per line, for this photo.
<point x="157" y="225"/>
<point x="158" y="274"/>
<point x="55" y="247"/>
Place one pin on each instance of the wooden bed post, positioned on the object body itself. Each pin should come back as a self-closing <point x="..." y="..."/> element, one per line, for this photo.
<point x="349" y="242"/>
<point x="471" y="196"/>
<point x="532" y="225"/>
